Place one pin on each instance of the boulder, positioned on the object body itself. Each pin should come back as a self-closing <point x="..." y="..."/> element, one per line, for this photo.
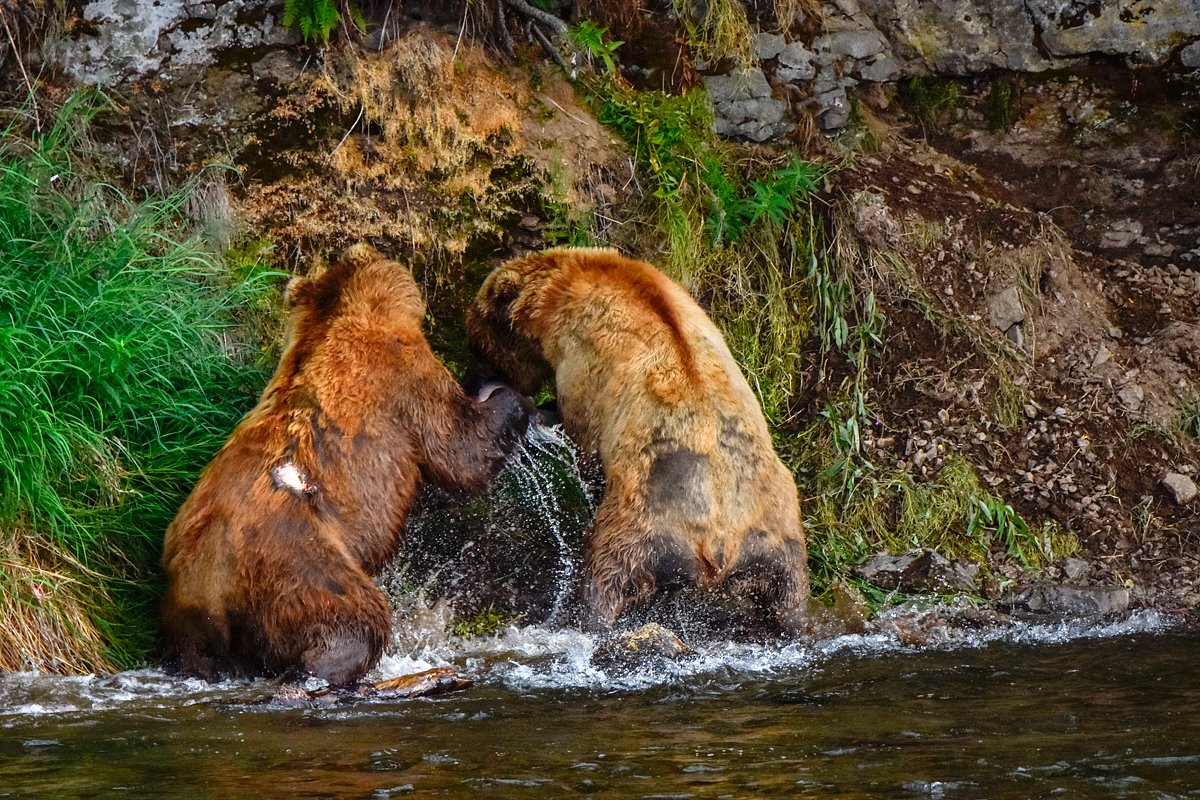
<point x="1065" y="602"/>
<point x="920" y="570"/>
<point x="641" y="647"/>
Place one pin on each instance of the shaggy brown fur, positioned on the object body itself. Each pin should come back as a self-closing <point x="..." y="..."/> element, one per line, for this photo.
<point x="695" y="494"/>
<point x="270" y="560"/>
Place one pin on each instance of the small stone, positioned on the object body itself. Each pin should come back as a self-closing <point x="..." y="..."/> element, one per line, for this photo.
<point x="1005" y="309"/>
<point x="1181" y="488"/>
<point x="1132" y="396"/>
<point x="1031" y="411"/>
<point x="649" y="643"/>
<point x="835" y="111"/>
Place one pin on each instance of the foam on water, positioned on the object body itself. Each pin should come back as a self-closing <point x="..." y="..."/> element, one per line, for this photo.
<point x="539" y="657"/>
<point x="526" y="659"/>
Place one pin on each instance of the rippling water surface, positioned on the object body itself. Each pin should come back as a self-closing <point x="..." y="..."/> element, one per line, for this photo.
<point x="1104" y="712"/>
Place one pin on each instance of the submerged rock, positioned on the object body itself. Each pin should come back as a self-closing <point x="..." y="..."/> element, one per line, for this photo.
<point x="638" y="648"/>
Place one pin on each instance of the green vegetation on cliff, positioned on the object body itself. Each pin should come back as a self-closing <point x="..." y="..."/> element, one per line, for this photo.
<point x="119" y="377"/>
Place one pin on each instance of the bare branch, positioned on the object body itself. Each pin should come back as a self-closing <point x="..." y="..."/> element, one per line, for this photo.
<point x="537" y="15"/>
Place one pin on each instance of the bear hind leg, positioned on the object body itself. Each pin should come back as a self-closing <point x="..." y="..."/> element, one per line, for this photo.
<point x="772" y="573"/>
<point x="342" y="658"/>
<point x="625" y="566"/>
<point x="337" y="636"/>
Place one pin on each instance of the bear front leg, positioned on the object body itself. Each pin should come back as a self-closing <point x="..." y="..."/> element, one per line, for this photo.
<point x="465" y="441"/>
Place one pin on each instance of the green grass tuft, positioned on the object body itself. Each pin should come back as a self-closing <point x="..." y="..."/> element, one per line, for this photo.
<point x="120" y="375"/>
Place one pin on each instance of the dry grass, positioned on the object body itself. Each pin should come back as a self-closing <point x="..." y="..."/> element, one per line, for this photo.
<point x="49" y="603"/>
<point x="789" y="12"/>
<point x="442" y="148"/>
<point x="427" y="102"/>
<point x="718" y="30"/>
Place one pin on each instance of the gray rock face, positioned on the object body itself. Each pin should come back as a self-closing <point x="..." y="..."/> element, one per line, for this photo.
<point x="1143" y="32"/>
<point x="962" y="37"/>
<point x="744" y="106"/>
<point x="137" y="40"/>
<point x="958" y="37"/>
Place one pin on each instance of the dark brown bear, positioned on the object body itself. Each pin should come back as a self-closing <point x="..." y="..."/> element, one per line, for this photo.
<point x="695" y="494"/>
<point x="270" y="560"/>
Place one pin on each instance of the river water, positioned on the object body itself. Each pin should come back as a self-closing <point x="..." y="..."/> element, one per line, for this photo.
<point x="1079" y="712"/>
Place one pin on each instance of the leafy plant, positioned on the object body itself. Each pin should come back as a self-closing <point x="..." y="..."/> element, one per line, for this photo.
<point x="590" y="39"/>
<point x="995" y="515"/>
<point x="316" y="19"/>
<point x="486" y="623"/>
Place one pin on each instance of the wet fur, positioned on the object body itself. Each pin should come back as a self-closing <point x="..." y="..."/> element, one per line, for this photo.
<point x="270" y="559"/>
<point x="695" y="494"/>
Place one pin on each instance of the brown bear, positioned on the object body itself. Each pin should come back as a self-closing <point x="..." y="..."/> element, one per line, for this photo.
<point x="694" y="492"/>
<point x="270" y="559"/>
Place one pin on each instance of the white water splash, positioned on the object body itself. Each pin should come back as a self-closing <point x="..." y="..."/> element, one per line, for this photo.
<point x="529" y="659"/>
<point x="532" y="468"/>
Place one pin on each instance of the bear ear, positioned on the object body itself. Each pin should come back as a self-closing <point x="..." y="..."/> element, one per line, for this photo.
<point x="361" y="255"/>
<point x="499" y="291"/>
<point x="296" y="291"/>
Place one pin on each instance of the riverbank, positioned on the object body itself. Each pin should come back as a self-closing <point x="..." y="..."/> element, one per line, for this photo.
<point x="967" y="301"/>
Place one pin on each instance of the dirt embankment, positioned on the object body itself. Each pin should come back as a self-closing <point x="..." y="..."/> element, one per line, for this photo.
<point x="1076" y="233"/>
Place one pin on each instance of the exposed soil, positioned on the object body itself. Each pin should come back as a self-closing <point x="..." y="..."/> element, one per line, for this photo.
<point x="1102" y="222"/>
